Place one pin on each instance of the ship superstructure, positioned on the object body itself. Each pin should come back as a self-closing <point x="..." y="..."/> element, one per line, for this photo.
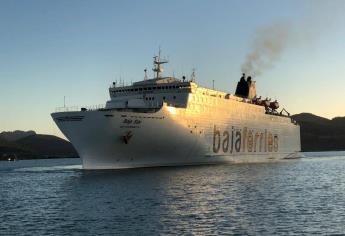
<point x="168" y="121"/>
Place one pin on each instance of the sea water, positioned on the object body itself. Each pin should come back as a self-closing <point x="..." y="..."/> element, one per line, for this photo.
<point x="57" y="197"/>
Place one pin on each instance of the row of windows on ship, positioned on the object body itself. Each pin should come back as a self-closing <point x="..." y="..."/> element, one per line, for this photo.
<point x="151" y="88"/>
<point x="153" y="98"/>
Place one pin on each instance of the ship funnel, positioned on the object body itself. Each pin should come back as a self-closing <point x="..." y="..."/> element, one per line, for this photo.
<point x="246" y="88"/>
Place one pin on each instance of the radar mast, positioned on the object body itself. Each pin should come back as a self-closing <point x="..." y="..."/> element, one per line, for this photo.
<point x="157" y="63"/>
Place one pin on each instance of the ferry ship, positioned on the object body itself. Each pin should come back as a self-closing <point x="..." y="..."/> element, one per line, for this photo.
<point x="166" y="121"/>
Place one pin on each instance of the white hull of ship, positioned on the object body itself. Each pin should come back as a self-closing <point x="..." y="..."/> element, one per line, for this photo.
<point x="112" y="139"/>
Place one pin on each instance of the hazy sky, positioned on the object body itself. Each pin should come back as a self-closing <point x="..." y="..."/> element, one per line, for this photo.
<point x="51" y="49"/>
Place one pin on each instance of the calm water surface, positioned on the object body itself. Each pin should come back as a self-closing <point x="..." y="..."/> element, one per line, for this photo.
<point x="57" y="197"/>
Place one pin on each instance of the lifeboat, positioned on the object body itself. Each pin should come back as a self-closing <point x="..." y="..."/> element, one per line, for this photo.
<point x="257" y="101"/>
<point x="274" y="105"/>
<point x="266" y="102"/>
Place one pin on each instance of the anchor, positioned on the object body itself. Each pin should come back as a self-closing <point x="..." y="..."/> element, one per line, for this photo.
<point x="128" y="135"/>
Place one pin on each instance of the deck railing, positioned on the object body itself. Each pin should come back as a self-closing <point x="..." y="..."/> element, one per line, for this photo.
<point x="150" y="104"/>
<point x="79" y="108"/>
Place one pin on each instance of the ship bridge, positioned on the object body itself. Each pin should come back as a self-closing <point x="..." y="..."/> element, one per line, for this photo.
<point x="151" y="93"/>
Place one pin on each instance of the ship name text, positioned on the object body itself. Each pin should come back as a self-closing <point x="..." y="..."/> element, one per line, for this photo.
<point x="244" y="140"/>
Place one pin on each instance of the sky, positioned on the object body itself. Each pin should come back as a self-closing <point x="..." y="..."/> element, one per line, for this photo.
<point x="51" y="49"/>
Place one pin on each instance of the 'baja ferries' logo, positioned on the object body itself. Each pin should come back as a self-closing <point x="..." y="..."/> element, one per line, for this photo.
<point x="244" y="140"/>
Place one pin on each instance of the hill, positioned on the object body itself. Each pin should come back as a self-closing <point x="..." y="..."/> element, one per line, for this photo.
<point x="16" y="135"/>
<point x="321" y="134"/>
<point x="29" y="145"/>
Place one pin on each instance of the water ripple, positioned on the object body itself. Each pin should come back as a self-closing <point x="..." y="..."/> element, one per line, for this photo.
<point x="303" y="197"/>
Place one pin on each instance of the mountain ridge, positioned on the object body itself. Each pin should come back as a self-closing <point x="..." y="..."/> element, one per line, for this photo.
<point x="321" y="134"/>
<point x="30" y="145"/>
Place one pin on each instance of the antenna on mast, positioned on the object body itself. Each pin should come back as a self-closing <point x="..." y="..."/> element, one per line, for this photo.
<point x="157" y="63"/>
<point x="193" y="76"/>
<point x="145" y="77"/>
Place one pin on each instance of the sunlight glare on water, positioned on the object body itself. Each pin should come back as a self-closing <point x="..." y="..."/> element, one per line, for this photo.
<point x="57" y="197"/>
